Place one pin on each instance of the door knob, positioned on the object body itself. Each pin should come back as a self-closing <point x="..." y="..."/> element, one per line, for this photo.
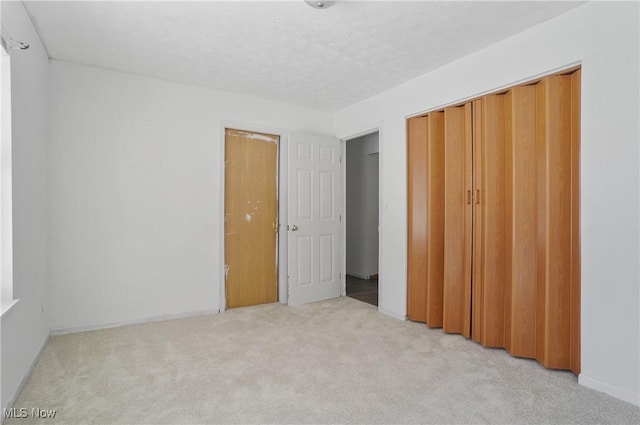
<point x="294" y="228"/>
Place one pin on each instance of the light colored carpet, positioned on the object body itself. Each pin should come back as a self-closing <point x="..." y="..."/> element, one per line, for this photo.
<point x="338" y="361"/>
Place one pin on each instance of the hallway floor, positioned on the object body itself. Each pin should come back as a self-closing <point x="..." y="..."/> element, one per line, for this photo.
<point x="362" y="289"/>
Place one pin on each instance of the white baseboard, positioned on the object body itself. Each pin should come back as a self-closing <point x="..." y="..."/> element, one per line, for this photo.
<point x="612" y="390"/>
<point x="61" y="331"/>
<point x="392" y="314"/>
<point x="25" y="376"/>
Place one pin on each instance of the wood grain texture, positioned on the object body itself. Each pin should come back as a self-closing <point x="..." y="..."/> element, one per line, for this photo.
<point x="508" y="217"/>
<point x="492" y="204"/>
<point x="541" y="218"/>
<point x="557" y="212"/>
<point x="417" y="219"/>
<point x="576" y="80"/>
<point x="559" y="222"/>
<point x="477" y="261"/>
<point x="457" y="237"/>
<point x="435" y="218"/>
<point x="468" y="218"/>
<point x="520" y="220"/>
<point x="251" y="217"/>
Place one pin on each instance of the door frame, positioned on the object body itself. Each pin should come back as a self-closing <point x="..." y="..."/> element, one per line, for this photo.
<point x="343" y="152"/>
<point x="281" y="240"/>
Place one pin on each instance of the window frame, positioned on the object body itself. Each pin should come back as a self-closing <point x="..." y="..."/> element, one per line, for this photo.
<point x="6" y="199"/>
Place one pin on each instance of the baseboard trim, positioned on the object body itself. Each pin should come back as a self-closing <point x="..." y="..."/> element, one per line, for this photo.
<point x="612" y="390"/>
<point x="162" y="318"/>
<point x="392" y="314"/>
<point x="25" y="376"/>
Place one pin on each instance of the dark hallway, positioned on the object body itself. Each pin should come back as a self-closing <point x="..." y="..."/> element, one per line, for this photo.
<point x="362" y="289"/>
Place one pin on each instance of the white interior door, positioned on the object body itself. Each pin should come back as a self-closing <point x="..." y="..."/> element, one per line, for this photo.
<point x="314" y="214"/>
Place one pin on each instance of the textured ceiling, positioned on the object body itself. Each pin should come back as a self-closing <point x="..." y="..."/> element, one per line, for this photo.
<point x="284" y="51"/>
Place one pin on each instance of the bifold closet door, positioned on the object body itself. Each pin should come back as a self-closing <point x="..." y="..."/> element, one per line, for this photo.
<point x="474" y="263"/>
<point x="457" y="220"/>
<point x="542" y="280"/>
<point x="520" y="223"/>
<point x="417" y="219"/>
<point x="425" y="156"/>
<point x="557" y="241"/>
<point x="489" y="220"/>
<point x="509" y="211"/>
<point x="435" y="218"/>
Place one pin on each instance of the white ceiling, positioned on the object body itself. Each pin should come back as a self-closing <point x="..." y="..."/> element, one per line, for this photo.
<point x="284" y="51"/>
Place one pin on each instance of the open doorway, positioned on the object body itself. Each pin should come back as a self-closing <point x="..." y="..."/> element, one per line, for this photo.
<point x="362" y="194"/>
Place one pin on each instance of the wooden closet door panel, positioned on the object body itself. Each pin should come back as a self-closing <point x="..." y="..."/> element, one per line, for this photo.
<point x="520" y="220"/>
<point x="559" y="222"/>
<point x="477" y="269"/>
<point x="509" y="170"/>
<point x="435" y="218"/>
<point x="576" y="78"/>
<point x="457" y="220"/>
<point x="556" y="241"/>
<point x="417" y="219"/>
<point x="541" y="218"/>
<point x="491" y="201"/>
<point x="468" y="218"/>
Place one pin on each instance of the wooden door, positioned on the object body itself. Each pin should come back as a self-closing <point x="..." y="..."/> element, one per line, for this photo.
<point x="425" y="237"/>
<point x="435" y="219"/>
<point x="476" y="229"/>
<point x="489" y="206"/>
<point x="251" y="218"/>
<point x="417" y="219"/>
<point x="520" y="222"/>
<point x="457" y="220"/>
<point x="554" y="212"/>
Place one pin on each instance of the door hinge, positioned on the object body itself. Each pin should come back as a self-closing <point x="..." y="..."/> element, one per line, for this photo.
<point x="339" y="217"/>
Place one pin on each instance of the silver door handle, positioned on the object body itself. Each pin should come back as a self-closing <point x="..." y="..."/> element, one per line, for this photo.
<point x="294" y="228"/>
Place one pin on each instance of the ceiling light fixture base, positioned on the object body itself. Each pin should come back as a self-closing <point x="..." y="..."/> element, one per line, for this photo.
<point x="319" y="4"/>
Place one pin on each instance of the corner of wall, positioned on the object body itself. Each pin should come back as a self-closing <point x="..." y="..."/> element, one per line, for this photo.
<point x="612" y="390"/>
<point x="25" y="375"/>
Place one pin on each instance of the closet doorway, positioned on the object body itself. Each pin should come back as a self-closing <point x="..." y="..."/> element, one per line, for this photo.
<point x="362" y="195"/>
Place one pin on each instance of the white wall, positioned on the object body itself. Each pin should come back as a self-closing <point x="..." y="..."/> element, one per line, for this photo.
<point x="362" y="205"/>
<point x="134" y="189"/>
<point x="604" y="38"/>
<point x="24" y="328"/>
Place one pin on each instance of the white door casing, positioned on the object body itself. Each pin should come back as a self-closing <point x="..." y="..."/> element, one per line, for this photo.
<point x="314" y="215"/>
